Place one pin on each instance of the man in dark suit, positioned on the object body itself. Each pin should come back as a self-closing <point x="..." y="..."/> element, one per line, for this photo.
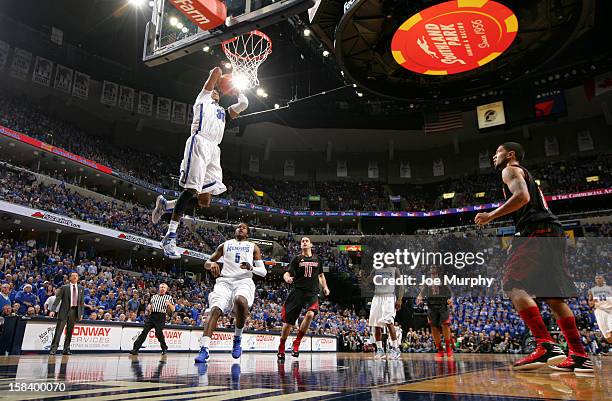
<point x="72" y="300"/>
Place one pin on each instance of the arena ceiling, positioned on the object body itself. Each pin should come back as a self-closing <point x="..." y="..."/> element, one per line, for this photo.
<point x="105" y="38"/>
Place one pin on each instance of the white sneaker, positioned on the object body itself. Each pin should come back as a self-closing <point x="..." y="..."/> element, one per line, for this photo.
<point x="395" y="353"/>
<point x="168" y="244"/>
<point x="380" y="353"/>
<point x="160" y="209"/>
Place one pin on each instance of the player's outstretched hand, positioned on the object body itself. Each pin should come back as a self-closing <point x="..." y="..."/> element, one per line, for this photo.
<point x="215" y="270"/>
<point x="482" y="218"/>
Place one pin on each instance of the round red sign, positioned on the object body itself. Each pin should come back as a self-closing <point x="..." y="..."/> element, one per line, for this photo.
<point x="454" y="37"/>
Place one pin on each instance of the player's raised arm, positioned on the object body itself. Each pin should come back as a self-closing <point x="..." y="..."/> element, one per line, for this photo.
<point x="237" y="108"/>
<point x="212" y="265"/>
<point x="400" y="290"/>
<point x="213" y="77"/>
<point x="514" y="178"/>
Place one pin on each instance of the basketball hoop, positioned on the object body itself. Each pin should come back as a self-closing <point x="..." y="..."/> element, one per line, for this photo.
<point x="246" y="52"/>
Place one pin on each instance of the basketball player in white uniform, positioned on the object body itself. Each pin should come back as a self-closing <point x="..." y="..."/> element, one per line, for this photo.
<point x="201" y="175"/>
<point x="600" y="298"/>
<point x="234" y="288"/>
<point x="384" y="306"/>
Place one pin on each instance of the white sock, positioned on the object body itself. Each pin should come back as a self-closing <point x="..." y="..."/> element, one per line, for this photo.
<point x="170" y="205"/>
<point x="204" y="341"/>
<point x="237" y="332"/>
<point x="172" y="226"/>
<point x="379" y="345"/>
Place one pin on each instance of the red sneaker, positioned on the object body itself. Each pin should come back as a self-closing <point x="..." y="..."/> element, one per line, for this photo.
<point x="440" y="353"/>
<point x="575" y="363"/>
<point x="295" y="349"/>
<point x="539" y="358"/>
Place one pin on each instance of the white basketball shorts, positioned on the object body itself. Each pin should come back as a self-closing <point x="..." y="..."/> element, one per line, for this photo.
<point x="382" y="311"/>
<point x="201" y="166"/>
<point x="227" y="289"/>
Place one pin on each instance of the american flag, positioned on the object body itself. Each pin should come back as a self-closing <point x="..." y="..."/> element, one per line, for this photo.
<point x="442" y="121"/>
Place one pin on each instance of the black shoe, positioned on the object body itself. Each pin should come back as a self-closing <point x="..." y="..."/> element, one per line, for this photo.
<point x="164" y="351"/>
<point x="295" y="353"/>
<point x="134" y="352"/>
<point x="281" y="357"/>
<point x="67" y="352"/>
<point x="52" y="351"/>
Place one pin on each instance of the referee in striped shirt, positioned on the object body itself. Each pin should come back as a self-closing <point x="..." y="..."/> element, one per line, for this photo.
<point x="158" y="307"/>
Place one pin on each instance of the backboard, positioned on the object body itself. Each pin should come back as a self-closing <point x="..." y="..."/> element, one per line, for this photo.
<point x="171" y="35"/>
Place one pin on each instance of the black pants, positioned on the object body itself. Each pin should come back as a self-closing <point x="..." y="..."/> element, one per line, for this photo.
<point x="156" y="321"/>
<point x="59" y="328"/>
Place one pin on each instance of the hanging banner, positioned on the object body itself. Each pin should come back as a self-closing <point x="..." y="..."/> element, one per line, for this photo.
<point x="254" y="164"/>
<point x="4" y="52"/>
<point x="405" y="171"/>
<point x="126" y="98"/>
<point x="585" y="141"/>
<point x="145" y="103"/>
<point x="21" y="64"/>
<point x="178" y="112"/>
<point x="63" y="78"/>
<point x="189" y="114"/>
<point x="551" y="146"/>
<point x="490" y="115"/>
<point x="484" y="161"/>
<point x="341" y="169"/>
<point x="289" y="168"/>
<point x="438" y="168"/>
<point x="80" y="87"/>
<point x="42" y="71"/>
<point x="110" y="90"/>
<point x="163" y="108"/>
<point x="373" y="169"/>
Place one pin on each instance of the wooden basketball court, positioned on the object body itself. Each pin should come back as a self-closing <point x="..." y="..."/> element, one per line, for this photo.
<point x="312" y="376"/>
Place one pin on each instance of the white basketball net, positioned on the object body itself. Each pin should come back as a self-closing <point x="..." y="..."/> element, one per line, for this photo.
<point x="246" y="53"/>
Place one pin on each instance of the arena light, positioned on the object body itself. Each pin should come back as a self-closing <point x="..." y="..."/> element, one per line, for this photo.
<point x="306" y="32"/>
<point x="137" y="3"/>
<point x="265" y="95"/>
<point x="593" y="178"/>
<point x="538" y="182"/>
<point x="228" y="65"/>
<point x="184" y="30"/>
<point x="276" y="106"/>
<point x="206" y="49"/>
<point x="260" y="92"/>
<point x="151" y="4"/>
<point x="240" y="82"/>
<point x="325" y="53"/>
<point x="448" y="195"/>
<point x="173" y="21"/>
<point x="180" y="25"/>
<point x="359" y="94"/>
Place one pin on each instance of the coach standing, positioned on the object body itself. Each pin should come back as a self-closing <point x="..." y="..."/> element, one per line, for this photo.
<point x="72" y="300"/>
<point x="158" y="307"/>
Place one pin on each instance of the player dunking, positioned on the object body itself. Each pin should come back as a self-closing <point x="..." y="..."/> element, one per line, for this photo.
<point x="306" y="274"/>
<point x="600" y="299"/>
<point x="536" y="265"/>
<point x="201" y="175"/>
<point x="384" y="306"/>
<point x="234" y="288"/>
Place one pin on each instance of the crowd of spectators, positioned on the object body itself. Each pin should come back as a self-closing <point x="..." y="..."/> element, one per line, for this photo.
<point x="555" y="177"/>
<point x="21" y="187"/>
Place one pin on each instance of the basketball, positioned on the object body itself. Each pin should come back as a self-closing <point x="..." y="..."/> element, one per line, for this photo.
<point x="225" y="84"/>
